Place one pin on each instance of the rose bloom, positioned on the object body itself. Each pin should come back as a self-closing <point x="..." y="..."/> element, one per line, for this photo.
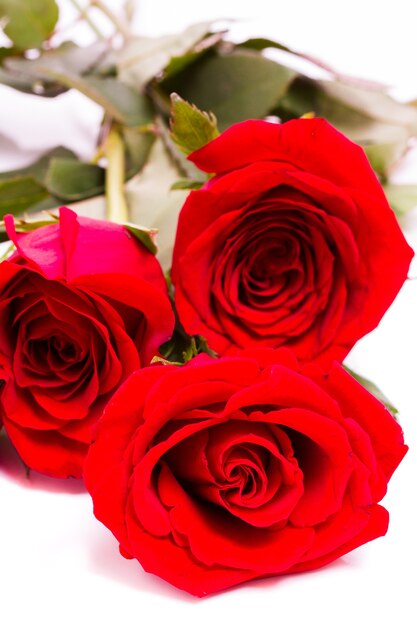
<point x="226" y="470"/>
<point x="82" y="305"/>
<point x="292" y="242"/>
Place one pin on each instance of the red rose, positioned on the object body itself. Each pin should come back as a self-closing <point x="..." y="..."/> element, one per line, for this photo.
<point x="82" y="305"/>
<point x="292" y="243"/>
<point x="226" y="470"/>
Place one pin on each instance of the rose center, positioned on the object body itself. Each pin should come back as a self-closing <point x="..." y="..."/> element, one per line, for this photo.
<point x="63" y="349"/>
<point x="55" y="350"/>
<point x="245" y="472"/>
<point x="247" y="468"/>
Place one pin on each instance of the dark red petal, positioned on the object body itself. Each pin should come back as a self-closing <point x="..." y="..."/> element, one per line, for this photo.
<point x="141" y="295"/>
<point x="215" y="537"/>
<point x="47" y="451"/>
<point x="20" y="408"/>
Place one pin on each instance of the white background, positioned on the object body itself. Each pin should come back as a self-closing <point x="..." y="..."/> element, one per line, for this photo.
<point x="58" y="565"/>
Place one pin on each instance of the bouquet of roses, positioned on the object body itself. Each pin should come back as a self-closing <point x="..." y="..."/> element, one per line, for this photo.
<point x="207" y="408"/>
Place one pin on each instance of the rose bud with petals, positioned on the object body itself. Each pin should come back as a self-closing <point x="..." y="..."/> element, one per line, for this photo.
<point x="292" y="243"/>
<point x="222" y="471"/>
<point x="83" y="304"/>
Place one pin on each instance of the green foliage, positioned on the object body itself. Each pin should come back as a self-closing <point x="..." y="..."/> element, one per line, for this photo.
<point x="138" y="145"/>
<point x="120" y="102"/>
<point x="133" y="84"/>
<point x="374" y="390"/>
<point x="402" y="198"/>
<point x="71" y="180"/>
<point x="39" y="168"/>
<point x="186" y="183"/>
<point x="24" y="226"/>
<point x="144" y="235"/>
<point x="191" y="128"/>
<point x="67" y="61"/>
<point x="236" y="86"/>
<point x="181" y="348"/>
<point x="28" y="22"/>
<point x="143" y="58"/>
<point x="151" y="201"/>
<point x="369" y="117"/>
<point x="261" y="43"/>
<point x="20" y="193"/>
<point x="56" y="178"/>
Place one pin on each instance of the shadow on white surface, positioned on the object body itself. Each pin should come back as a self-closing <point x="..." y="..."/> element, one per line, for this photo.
<point x="343" y="563"/>
<point x="12" y="467"/>
<point x="106" y="561"/>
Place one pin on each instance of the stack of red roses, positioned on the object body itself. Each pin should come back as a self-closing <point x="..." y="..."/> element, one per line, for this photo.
<point x="268" y="459"/>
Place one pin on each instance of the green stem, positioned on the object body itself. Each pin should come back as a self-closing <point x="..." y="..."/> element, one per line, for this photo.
<point x="116" y="205"/>
<point x="118" y="22"/>
<point x="84" y="15"/>
<point x="7" y="252"/>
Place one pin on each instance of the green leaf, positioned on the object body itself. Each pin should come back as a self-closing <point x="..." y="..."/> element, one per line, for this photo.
<point x="373" y="119"/>
<point x="20" y="193"/>
<point x="29" y="22"/>
<point x="7" y="52"/>
<point x="39" y="168"/>
<point x="120" y="101"/>
<point x="143" y="58"/>
<point x="47" y="204"/>
<point x="184" y="166"/>
<point x="374" y="390"/>
<point x="374" y="103"/>
<point x="33" y="75"/>
<point x="144" y="235"/>
<point x="179" y="63"/>
<point x="162" y="361"/>
<point x="70" y="67"/>
<point x="181" y="348"/>
<point x="8" y="250"/>
<point x="402" y="198"/>
<point x="68" y="57"/>
<point x="72" y="180"/>
<point x="138" y="145"/>
<point x="151" y="201"/>
<point x="383" y="146"/>
<point x="203" y="47"/>
<point x="38" y="171"/>
<point x="261" y="43"/>
<point x="237" y="86"/>
<point x="369" y="117"/>
<point x="26" y="226"/>
<point x="186" y="183"/>
<point x="300" y="98"/>
<point x="27" y="84"/>
<point x="191" y="128"/>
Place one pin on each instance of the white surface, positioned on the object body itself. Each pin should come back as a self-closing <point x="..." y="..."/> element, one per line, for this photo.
<point x="58" y="565"/>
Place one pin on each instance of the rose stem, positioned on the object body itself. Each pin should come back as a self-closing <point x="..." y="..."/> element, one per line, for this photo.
<point x="85" y="16"/>
<point x="116" y="205"/>
<point x="117" y="21"/>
